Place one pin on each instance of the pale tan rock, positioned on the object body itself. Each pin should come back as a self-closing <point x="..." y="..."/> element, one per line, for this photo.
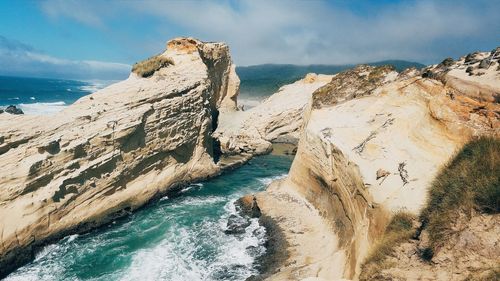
<point x="408" y="125"/>
<point x="470" y="252"/>
<point x="276" y="119"/>
<point x="112" y="151"/>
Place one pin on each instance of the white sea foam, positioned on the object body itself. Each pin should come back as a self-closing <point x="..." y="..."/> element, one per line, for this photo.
<point x="42" y="108"/>
<point x="176" y="257"/>
<point x="96" y="85"/>
<point x="269" y="180"/>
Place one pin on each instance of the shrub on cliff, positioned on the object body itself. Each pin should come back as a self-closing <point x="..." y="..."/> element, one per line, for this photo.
<point x="469" y="183"/>
<point x="399" y="230"/>
<point x="149" y="66"/>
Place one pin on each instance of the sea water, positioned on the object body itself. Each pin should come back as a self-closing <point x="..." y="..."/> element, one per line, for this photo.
<point x="180" y="237"/>
<point x="44" y="96"/>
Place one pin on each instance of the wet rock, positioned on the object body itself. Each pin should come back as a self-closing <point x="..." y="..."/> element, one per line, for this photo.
<point x="237" y="225"/>
<point x="12" y="109"/>
<point x="248" y="206"/>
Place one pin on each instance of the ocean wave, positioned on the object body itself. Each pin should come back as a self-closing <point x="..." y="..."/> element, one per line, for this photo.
<point x="177" y="256"/>
<point x="42" y="108"/>
<point x="95" y="85"/>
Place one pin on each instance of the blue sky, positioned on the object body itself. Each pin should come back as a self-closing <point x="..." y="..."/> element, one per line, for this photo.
<point x="100" y="39"/>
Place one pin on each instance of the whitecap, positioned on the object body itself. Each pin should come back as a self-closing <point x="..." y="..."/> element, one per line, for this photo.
<point x="95" y="85"/>
<point x="42" y="108"/>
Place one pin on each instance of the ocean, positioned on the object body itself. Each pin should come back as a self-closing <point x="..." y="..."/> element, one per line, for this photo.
<point x="179" y="237"/>
<point x="44" y="96"/>
<point x="176" y="238"/>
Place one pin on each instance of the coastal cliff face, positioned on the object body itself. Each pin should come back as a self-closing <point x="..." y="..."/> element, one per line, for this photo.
<point x="277" y="119"/>
<point x="372" y="142"/>
<point x="114" y="150"/>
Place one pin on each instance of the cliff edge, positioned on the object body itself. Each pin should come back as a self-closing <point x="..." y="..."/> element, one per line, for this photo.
<point x="114" y="150"/>
<point x="372" y="142"/>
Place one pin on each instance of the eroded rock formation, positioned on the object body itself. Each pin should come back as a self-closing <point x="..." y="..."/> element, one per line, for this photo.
<point x="112" y="151"/>
<point x="335" y="203"/>
<point x="277" y="119"/>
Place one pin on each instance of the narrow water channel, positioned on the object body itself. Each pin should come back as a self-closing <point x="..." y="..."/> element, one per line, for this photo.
<point x="179" y="238"/>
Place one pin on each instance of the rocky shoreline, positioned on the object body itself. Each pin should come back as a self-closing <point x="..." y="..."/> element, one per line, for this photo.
<point x="113" y="151"/>
<point x="365" y="121"/>
<point x="368" y="142"/>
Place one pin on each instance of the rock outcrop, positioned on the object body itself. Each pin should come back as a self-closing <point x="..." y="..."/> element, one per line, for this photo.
<point x="277" y="119"/>
<point x="472" y="253"/>
<point x="372" y="142"/>
<point x="112" y="151"/>
<point x="12" y="109"/>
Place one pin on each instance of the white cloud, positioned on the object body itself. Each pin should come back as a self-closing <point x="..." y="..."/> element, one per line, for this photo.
<point x="306" y="32"/>
<point x="20" y="59"/>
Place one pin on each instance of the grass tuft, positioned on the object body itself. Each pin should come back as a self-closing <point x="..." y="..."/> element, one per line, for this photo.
<point x="468" y="183"/>
<point x="399" y="230"/>
<point x="148" y="67"/>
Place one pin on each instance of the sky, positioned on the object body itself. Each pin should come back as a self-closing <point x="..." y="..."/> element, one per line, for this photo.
<point x="95" y="39"/>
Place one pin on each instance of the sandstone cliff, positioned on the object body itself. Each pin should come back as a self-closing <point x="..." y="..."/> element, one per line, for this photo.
<point x="277" y="119"/>
<point x="372" y="142"/>
<point x="114" y="150"/>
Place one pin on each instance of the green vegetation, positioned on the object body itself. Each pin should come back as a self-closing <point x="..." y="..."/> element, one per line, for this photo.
<point x="149" y="66"/>
<point x="468" y="183"/>
<point x="399" y="230"/>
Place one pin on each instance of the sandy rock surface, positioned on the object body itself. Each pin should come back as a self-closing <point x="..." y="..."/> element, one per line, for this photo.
<point x="112" y="151"/>
<point x="276" y="119"/>
<point x="367" y="122"/>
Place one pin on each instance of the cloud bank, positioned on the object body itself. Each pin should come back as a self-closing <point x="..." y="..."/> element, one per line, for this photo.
<point x="307" y="32"/>
<point x="19" y="59"/>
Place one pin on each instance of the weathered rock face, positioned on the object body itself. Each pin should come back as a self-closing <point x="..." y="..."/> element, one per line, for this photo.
<point x="469" y="254"/>
<point x="277" y="119"/>
<point x="112" y="151"/>
<point x="334" y="203"/>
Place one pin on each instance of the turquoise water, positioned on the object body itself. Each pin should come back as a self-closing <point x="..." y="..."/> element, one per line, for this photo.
<point x="177" y="238"/>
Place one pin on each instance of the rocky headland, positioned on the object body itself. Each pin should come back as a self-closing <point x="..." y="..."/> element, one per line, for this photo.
<point x="372" y="143"/>
<point x="112" y="151"/>
<point x="369" y="144"/>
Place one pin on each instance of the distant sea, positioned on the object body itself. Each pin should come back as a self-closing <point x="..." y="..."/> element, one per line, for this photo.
<point x="44" y="96"/>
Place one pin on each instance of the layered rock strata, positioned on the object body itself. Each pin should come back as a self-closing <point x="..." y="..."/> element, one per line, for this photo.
<point x="112" y="151"/>
<point x="277" y="119"/>
<point x="372" y="142"/>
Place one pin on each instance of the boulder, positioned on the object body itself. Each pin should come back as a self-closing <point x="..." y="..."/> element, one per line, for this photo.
<point x="12" y="109"/>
